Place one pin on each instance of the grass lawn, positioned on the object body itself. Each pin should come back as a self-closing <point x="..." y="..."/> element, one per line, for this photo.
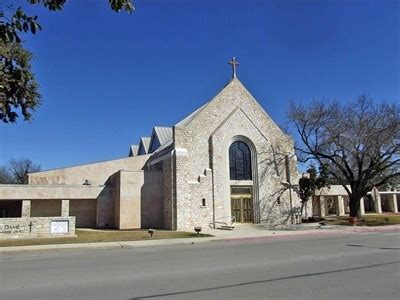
<point x="94" y="236"/>
<point x="367" y="220"/>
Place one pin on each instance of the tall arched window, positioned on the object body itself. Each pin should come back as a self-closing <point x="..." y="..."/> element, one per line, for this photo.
<point x="239" y="161"/>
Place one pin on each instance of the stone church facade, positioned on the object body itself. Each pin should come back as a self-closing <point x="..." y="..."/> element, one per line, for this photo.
<point x="203" y="186"/>
<point x="227" y="162"/>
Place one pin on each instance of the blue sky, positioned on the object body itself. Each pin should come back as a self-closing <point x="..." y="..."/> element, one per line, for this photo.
<point x="107" y="79"/>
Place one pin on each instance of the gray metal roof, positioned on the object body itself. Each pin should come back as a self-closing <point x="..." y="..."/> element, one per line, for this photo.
<point x="190" y="117"/>
<point x="133" y="150"/>
<point x="168" y="146"/>
<point x="144" y="145"/>
<point x="159" y="137"/>
<point x="163" y="134"/>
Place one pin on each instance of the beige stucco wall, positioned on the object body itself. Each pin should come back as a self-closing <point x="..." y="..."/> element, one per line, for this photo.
<point x="97" y="173"/>
<point x="138" y="199"/>
<point x="116" y="183"/>
<point x="152" y="200"/>
<point x="46" y="201"/>
<point x="105" y="208"/>
<point x="67" y="183"/>
<point x="85" y="211"/>
<point x="26" y="192"/>
<point x="46" y="208"/>
<point x="332" y="190"/>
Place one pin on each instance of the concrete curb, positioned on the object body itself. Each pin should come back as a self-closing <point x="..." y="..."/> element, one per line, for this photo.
<point x="110" y="245"/>
<point x="278" y="234"/>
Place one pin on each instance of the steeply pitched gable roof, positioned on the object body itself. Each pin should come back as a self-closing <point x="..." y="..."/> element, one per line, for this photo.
<point x="190" y="117"/>
<point x="163" y="134"/>
<point x="133" y="150"/>
<point x="144" y="145"/>
<point x="193" y="115"/>
<point x="159" y="137"/>
<point x="236" y="82"/>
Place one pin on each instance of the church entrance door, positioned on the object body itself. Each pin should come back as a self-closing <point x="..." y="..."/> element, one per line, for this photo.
<point x="242" y="204"/>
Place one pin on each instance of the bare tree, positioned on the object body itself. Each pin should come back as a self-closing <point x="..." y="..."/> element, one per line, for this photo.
<point x="17" y="171"/>
<point x="356" y="143"/>
<point x="5" y="175"/>
<point x="311" y="182"/>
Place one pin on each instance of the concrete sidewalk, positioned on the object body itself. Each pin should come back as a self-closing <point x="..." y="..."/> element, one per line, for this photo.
<point x="241" y="232"/>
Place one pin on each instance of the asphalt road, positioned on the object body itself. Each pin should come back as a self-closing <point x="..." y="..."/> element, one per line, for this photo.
<point x="346" y="266"/>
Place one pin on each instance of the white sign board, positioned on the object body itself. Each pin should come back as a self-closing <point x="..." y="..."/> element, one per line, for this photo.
<point x="59" y="226"/>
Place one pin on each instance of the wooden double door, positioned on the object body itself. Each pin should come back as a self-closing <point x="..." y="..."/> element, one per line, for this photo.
<point x="242" y="205"/>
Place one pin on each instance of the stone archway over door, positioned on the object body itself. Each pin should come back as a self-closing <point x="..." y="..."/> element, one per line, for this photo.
<point x="243" y="180"/>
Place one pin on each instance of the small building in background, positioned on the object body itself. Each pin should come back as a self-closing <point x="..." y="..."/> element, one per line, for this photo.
<point x="334" y="201"/>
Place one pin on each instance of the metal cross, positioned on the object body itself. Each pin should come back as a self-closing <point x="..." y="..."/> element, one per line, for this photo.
<point x="30" y="226"/>
<point x="234" y="63"/>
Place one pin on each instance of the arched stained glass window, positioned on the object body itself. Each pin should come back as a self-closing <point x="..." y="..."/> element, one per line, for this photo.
<point x="239" y="161"/>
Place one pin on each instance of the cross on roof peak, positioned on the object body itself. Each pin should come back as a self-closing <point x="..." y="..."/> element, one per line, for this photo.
<point x="234" y="64"/>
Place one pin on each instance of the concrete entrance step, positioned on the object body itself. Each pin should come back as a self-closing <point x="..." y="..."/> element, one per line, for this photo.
<point x="246" y="225"/>
<point x="226" y="227"/>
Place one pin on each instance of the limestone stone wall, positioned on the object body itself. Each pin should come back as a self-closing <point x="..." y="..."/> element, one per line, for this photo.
<point x="268" y="170"/>
<point x="204" y="144"/>
<point x="97" y="173"/>
<point x="27" y="227"/>
<point x="201" y="191"/>
<point x="169" y="207"/>
<point x="182" y="197"/>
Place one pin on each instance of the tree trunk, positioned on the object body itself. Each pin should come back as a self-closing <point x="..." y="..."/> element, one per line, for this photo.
<point x="301" y="208"/>
<point x="305" y="211"/>
<point x="354" y="203"/>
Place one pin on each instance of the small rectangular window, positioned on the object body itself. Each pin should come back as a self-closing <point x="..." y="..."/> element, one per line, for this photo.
<point x="203" y="202"/>
<point x="278" y="201"/>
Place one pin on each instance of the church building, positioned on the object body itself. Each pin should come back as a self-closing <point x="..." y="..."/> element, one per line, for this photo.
<point x="227" y="162"/>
